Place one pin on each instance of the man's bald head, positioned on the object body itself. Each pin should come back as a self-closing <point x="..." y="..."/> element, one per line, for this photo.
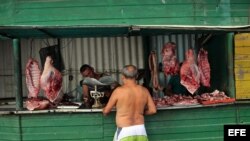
<point x="129" y="71"/>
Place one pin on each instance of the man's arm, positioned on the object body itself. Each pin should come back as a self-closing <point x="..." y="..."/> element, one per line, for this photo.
<point x="111" y="103"/>
<point x="150" y="109"/>
<point x="85" y="91"/>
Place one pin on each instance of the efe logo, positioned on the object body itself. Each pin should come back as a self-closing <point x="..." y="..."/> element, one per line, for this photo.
<point x="236" y="132"/>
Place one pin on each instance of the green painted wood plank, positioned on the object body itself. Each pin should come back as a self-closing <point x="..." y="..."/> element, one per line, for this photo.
<point x="244" y="111"/>
<point x="77" y="3"/>
<point x="75" y="139"/>
<point x="199" y="113"/>
<point x="7" y="140"/>
<point x="61" y="120"/>
<point x="90" y="129"/>
<point x="85" y="126"/>
<point x="62" y="115"/>
<point x="90" y="13"/>
<point x="108" y="139"/>
<point x="190" y="122"/>
<point x="6" y="11"/>
<point x="9" y="121"/>
<point x="190" y="136"/>
<point x="244" y="120"/>
<point x="125" y="12"/>
<point x="45" y="123"/>
<point x="184" y="129"/>
<point x="73" y="132"/>
<point x="109" y="132"/>
<point x="110" y="118"/>
<point x="244" y="114"/>
<point x="223" y="7"/>
<point x="171" y="12"/>
<point x="9" y="136"/>
<point x="59" y="136"/>
<point x="198" y="21"/>
<point x="8" y="129"/>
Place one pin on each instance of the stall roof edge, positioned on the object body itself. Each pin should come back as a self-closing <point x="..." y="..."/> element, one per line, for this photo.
<point x="9" y="32"/>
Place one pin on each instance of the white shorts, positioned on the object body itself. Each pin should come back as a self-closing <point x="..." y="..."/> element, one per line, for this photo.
<point x="132" y="132"/>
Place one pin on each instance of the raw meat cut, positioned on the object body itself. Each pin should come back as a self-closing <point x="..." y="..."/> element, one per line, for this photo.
<point x="169" y="60"/>
<point x="204" y="67"/>
<point x="154" y="70"/>
<point x="214" y="98"/>
<point x="33" y="75"/>
<point x="51" y="80"/>
<point x="175" y="100"/>
<point x="36" y="104"/>
<point x="189" y="73"/>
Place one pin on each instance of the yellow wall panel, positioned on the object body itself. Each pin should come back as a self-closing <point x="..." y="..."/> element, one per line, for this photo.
<point x="242" y="65"/>
<point x="242" y="39"/>
<point x="243" y="84"/>
<point x="242" y="89"/>
<point x="242" y="57"/>
<point x="242" y="73"/>
<point x="242" y="50"/>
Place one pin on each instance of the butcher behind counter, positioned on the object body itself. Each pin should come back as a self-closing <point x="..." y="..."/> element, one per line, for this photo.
<point x="101" y="82"/>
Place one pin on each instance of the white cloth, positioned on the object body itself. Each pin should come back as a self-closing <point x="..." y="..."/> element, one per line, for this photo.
<point x="135" y="130"/>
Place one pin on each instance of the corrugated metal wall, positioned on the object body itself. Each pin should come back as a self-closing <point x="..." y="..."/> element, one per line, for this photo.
<point x="6" y="69"/>
<point x="106" y="54"/>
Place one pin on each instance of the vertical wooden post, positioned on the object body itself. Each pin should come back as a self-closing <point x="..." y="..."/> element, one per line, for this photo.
<point x="146" y="52"/>
<point x="230" y="66"/>
<point x="17" y="74"/>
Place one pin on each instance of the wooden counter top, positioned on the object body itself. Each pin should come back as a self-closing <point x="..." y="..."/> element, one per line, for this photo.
<point x="10" y="109"/>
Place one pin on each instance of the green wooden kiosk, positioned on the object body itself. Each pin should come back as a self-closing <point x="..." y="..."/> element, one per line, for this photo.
<point x="94" y="18"/>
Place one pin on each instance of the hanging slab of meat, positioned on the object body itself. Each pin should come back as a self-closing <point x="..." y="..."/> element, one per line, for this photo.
<point x="37" y="104"/>
<point x="169" y="60"/>
<point x="204" y="67"/>
<point x="51" y="80"/>
<point x="189" y="73"/>
<point x="154" y="71"/>
<point x="33" y="75"/>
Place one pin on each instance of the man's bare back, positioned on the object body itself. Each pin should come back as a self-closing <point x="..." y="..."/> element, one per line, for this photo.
<point x="132" y="101"/>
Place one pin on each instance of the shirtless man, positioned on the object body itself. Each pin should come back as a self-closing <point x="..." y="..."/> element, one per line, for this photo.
<point x="132" y="102"/>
